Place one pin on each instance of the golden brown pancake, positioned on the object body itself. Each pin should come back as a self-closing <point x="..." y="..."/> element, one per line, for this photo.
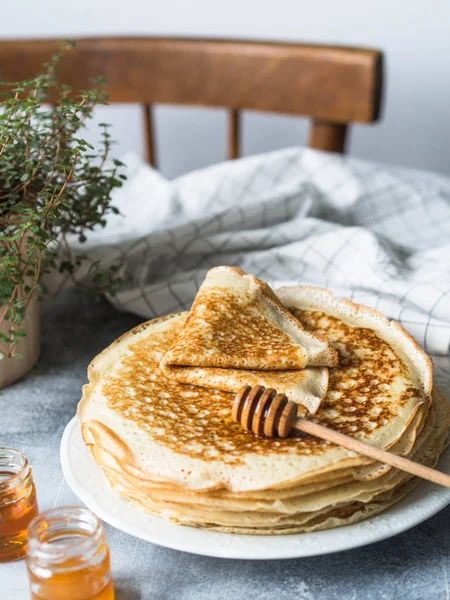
<point x="307" y="512"/>
<point x="237" y="332"/>
<point x="173" y="450"/>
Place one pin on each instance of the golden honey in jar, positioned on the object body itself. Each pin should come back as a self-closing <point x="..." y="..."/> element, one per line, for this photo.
<point x="18" y="504"/>
<point x="68" y="557"/>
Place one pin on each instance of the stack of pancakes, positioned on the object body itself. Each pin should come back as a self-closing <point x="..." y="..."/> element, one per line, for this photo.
<point x="157" y="411"/>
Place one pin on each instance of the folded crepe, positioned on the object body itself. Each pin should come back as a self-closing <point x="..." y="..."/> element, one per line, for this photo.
<point x="238" y="333"/>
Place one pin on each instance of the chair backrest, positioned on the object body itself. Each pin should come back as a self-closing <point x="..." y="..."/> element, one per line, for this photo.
<point x="333" y="85"/>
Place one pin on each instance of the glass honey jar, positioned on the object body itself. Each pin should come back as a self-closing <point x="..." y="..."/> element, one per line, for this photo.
<point x="68" y="557"/>
<point x="18" y="503"/>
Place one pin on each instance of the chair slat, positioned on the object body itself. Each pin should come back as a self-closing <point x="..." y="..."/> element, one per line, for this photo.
<point x="328" y="136"/>
<point x="234" y="119"/>
<point x="332" y="85"/>
<point x="148" y="134"/>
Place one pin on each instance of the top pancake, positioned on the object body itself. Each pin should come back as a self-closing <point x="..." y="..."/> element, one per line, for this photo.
<point x="184" y="434"/>
<point x="238" y="333"/>
<point x="237" y="322"/>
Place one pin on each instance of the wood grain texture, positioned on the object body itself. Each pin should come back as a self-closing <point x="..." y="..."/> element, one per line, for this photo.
<point x="328" y="136"/>
<point x="265" y="412"/>
<point x="333" y="85"/>
<point x="149" y="137"/>
<point x="234" y="121"/>
<point x="378" y="454"/>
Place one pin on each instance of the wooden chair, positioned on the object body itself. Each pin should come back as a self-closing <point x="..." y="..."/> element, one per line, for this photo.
<point x="334" y="86"/>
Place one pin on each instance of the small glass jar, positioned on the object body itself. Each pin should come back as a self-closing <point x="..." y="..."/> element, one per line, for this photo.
<point x="18" y="503"/>
<point x="68" y="556"/>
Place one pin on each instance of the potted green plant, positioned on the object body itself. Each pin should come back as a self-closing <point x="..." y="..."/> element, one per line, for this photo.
<point x="53" y="185"/>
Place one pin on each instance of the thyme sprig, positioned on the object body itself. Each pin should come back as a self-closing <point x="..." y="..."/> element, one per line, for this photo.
<point x="53" y="185"/>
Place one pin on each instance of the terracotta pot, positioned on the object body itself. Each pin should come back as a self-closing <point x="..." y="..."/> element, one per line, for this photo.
<point x="12" y="369"/>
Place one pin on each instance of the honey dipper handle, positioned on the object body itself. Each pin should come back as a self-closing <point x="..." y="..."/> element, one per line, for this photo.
<point x="373" y="452"/>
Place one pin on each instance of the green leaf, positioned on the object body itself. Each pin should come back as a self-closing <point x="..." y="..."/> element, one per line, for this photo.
<point x="17" y="332"/>
<point x="68" y="182"/>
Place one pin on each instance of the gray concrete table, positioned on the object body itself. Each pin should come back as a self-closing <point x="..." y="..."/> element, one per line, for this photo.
<point x="33" y="413"/>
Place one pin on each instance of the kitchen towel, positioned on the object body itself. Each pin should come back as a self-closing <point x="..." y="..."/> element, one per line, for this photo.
<point x="377" y="234"/>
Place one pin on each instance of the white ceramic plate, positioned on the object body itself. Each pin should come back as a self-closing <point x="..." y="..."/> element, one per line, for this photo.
<point x="86" y="480"/>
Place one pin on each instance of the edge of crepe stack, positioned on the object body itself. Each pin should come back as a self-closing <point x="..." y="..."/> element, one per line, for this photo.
<point x="310" y="506"/>
<point x="353" y="490"/>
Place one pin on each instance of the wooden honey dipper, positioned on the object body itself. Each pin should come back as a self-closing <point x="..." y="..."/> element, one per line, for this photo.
<point x="267" y="413"/>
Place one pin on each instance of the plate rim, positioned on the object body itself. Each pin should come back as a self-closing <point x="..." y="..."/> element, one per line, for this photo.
<point x="425" y="491"/>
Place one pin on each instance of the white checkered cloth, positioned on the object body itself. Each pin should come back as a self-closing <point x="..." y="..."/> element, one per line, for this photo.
<point x="379" y="235"/>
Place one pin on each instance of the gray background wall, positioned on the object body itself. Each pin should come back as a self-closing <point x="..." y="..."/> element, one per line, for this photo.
<point x="415" y="35"/>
